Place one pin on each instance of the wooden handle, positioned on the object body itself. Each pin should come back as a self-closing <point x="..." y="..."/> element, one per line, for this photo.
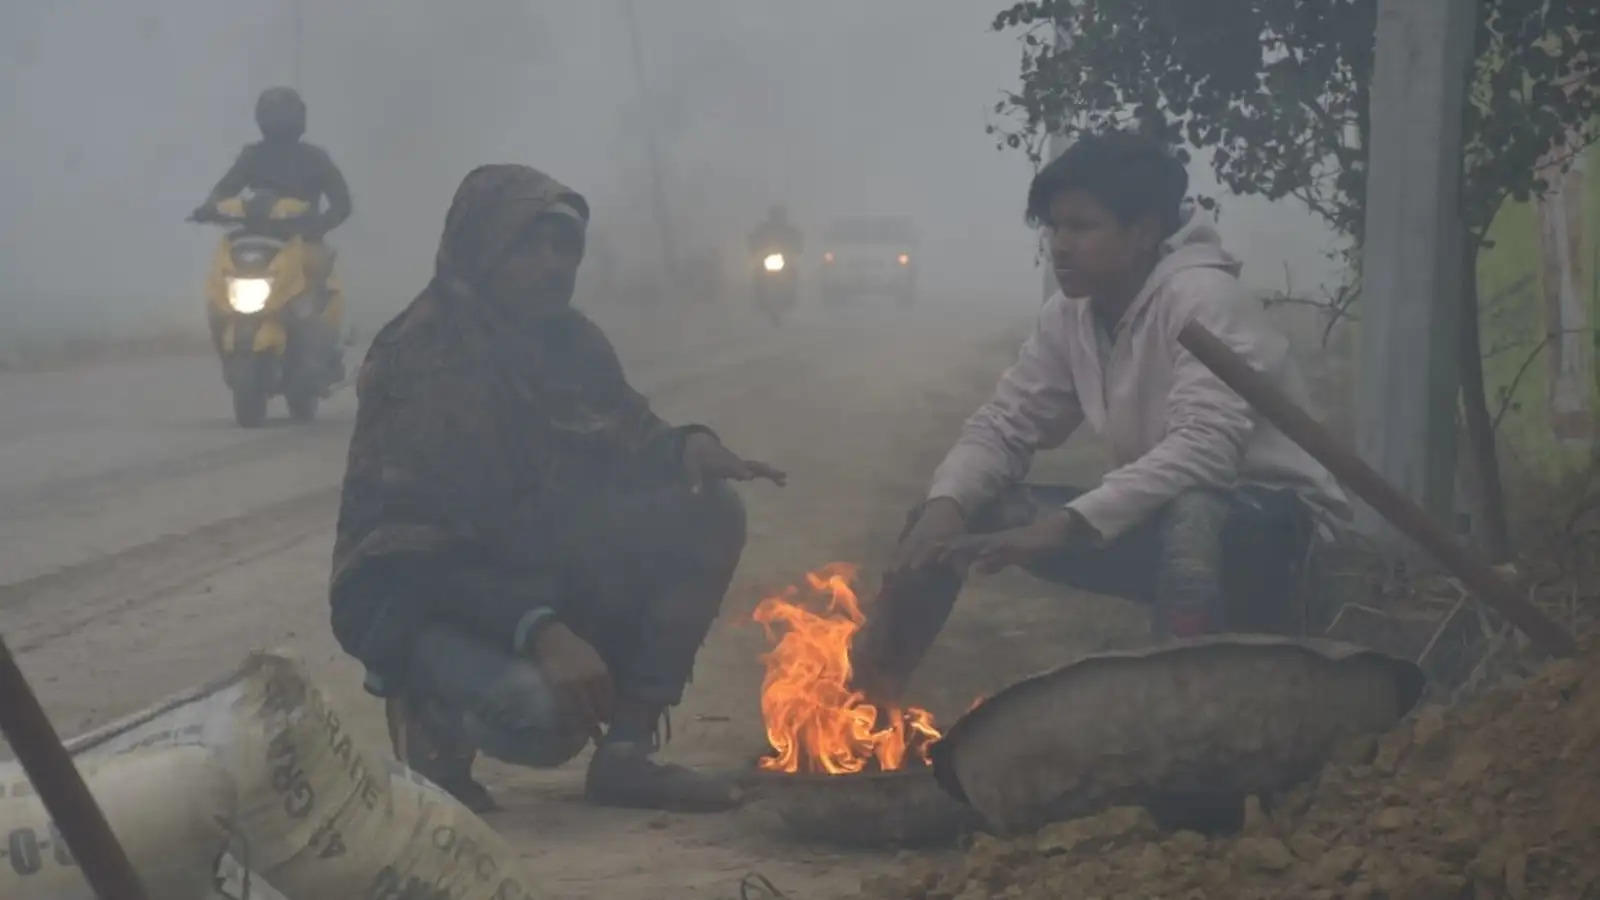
<point x="66" y="797"/>
<point x="1366" y="483"/>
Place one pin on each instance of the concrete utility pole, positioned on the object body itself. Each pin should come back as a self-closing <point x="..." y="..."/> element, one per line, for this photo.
<point x="298" y="10"/>
<point x="1411" y="254"/>
<point x="658" y="190"/>
<point x="1055" y="145"/>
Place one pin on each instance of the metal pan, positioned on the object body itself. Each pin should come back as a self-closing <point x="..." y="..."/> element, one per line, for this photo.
<point x="1208" y="718"/>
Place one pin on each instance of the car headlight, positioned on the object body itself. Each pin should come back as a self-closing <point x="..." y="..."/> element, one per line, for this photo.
<point x="774" y="262"/>
<point x="905" y="259"/>
<point x="249" y="295"/>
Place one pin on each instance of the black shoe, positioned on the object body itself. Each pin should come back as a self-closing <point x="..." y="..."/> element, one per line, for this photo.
<point x="471" y="793"/>
<point x="623" y="774"/>
<point x="428" y="741"/>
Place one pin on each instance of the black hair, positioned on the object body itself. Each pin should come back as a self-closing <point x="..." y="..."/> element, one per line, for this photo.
<point x="1130" y="174"/>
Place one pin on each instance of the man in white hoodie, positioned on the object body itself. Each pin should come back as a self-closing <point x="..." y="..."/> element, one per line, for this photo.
<point x="1208" y="510"/>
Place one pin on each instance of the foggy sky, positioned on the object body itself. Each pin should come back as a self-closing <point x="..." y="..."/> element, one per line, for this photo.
<point x="121" y="116"/>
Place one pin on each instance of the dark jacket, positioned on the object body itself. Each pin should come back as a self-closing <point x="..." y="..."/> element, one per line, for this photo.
<point x="478" y="433"/>
<point x="781" y="236"/>
<point x="291" y="169"/>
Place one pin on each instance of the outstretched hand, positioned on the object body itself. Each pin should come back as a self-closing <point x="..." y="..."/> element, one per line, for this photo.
<point x="991" y="553"/>
<point x="705" y="459"/>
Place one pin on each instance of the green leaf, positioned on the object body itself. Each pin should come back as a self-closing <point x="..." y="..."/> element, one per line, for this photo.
<point x="1278" y="89"/>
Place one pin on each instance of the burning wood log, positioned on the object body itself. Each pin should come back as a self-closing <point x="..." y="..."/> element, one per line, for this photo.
<point x="817" y="721"/>
<point x="843" y="769"/>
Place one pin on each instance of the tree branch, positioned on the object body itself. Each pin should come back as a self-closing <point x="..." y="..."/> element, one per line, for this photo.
<point x="1510" y="394"/>
<point x="1341" y="304"/>
<point x="1573" y="153"/>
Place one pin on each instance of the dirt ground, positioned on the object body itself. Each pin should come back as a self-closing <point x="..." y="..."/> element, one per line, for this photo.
<point x="1491" y="799"/>
<point x="148" y="545"/>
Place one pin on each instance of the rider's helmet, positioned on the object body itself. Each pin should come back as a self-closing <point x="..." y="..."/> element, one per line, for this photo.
<point x="777" y="213"/>
<point x="281" y="114"/>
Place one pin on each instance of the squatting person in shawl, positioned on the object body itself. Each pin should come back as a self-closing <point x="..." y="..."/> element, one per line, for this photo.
<point x="527" y="557"/>
<point x="1207" y="510"/>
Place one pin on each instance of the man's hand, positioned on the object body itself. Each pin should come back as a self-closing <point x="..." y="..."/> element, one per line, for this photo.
<point x="705" y="459"/>
<point x="577" y="675"/>
<point x="990" y="553"/>
<point x="941" y="521"/>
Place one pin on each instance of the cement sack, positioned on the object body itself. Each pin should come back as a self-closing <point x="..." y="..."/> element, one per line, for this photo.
<point x="320" y="814"/>
<point x="171" y="809"/>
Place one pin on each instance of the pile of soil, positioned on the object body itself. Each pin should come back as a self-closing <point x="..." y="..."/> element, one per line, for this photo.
<point x="1497" y="798"/>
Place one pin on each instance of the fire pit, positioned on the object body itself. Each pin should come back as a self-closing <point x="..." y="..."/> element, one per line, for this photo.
<point x="905" y="808"/>
<point x="841" y="769"/>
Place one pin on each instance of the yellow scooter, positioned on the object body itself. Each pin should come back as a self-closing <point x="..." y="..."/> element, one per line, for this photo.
<point x="274" y="307"/>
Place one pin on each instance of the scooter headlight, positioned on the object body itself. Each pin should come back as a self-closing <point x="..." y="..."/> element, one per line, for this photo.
<point x="774" y="262"/>
<point x="249" y="295"/>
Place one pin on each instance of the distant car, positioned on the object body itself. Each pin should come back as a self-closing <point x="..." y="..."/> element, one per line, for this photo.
<point x="869" y="256"/>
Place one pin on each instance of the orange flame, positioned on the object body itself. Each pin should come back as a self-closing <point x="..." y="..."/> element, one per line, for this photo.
<point x="816" y="722"/>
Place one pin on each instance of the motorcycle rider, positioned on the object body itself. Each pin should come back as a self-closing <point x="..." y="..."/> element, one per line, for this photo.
<point x="775" y="235"/>
<point x="778" y="234"/>
<point x="285" y="165"/>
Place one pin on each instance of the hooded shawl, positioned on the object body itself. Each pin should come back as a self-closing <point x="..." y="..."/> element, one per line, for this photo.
<point x="478" y="427"/>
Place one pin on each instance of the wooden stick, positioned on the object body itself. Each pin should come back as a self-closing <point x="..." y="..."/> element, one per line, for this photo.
<point x="66" y="797"/>
<point x="1371" y="487"/>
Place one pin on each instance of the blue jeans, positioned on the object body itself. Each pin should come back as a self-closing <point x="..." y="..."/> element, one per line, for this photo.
<point x="1208" y="561"/>
<point x="647" y="571"/>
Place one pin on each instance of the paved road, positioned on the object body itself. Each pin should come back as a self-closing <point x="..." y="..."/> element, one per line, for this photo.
<point x="124" y="485"/>
<point x="147" y="544"/>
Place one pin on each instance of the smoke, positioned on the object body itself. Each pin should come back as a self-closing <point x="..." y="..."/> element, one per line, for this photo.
<point x="123" y="115"/>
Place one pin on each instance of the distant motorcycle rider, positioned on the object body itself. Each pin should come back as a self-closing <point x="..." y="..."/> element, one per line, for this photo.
<point x="777" y="234"/>
<point x="286" y="166"/>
